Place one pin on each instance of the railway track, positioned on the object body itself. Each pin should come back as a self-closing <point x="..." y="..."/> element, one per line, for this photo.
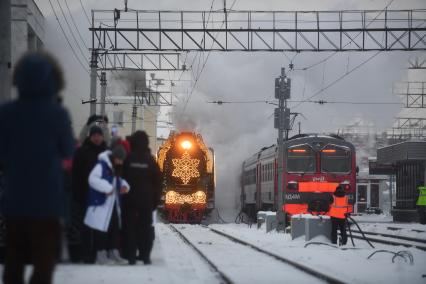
<point x="224" y="278"/>
<point x="208" y="242"/>
<point x="389" y="239"/>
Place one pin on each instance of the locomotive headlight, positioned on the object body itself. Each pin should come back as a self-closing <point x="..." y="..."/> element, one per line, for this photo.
<point x="171" y="197"/>
<point x="293" y="185"/>
<point x="346" y="185"/>
<point x="200" y="197"/>
<point x="186" y="145"/>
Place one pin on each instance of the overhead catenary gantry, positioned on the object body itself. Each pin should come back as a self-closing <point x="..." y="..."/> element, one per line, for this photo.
<point x="140" y="30"/>
<point x="153" y="40"/>
<point x="136" y="61"/>
<point x="140" y="39"/>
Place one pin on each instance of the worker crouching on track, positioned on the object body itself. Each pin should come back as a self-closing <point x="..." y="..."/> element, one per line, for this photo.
<point x="338" y="210"/>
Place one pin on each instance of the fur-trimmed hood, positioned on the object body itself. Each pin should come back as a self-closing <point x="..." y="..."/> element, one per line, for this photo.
<point x="104" y="156"/>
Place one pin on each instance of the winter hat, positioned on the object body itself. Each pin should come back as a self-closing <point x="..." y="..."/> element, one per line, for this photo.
<point x="95" y="130"/>
<point x="118" y="152"/>
<point x="139" y="140"/>
<point x="340" y="192"/>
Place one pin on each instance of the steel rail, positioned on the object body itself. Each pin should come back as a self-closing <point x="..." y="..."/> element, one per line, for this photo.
<point x="304" y="268"/>
<point x="224" y="278"/>
<point x="393" y="236"/>
<point x="390" y="242"/>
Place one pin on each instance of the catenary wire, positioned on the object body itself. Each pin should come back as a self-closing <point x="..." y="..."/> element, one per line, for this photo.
<point x="85" y="13"/>
<point x="75" y="25"/>
<point x="202" y="69"/>
<point x="334" y="53"/>
<point x="66" y="38"/>
<point x="72" y="33"/>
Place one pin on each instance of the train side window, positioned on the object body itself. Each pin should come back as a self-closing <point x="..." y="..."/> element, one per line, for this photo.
<point x="270" y="171"/>
<point x="301" y="159"/>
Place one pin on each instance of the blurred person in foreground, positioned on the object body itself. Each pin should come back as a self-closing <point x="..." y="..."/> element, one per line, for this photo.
<point x="144" y="177"/>
<point x="103" y="213"/>
<point x="36" y="136"/>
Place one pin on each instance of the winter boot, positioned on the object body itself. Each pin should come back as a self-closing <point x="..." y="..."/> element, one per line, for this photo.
<point x="115" y="256"/>
<point x="102" y="258"/>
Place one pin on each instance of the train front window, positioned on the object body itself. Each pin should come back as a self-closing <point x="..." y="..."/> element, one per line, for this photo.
<point x="335" y="159"/>
<point x="301" y="159"/>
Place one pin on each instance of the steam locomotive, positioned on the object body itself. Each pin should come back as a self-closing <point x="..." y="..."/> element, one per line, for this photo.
<point x="188" y="170"/>
<point x="314" y="165"/>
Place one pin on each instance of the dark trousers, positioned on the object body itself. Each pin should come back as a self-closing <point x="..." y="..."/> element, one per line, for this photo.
<point x="422" y="214"/>
<point x="338" y="223"/>
<point x="139" y="233"/>
<point x="33" y="240"/>
<point x="81" y="247"/>
<point x="108" y="240"/>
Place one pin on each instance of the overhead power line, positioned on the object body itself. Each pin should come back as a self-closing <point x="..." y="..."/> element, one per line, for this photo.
<point x="75" y="25"/>
<point x="320" y="102"/>
<point x="72" y="33"/>
<point x="339" y="78"/>
<point x="202" y="68"/>
<point x="66" y="38"/>
<point x="85" y="13"/>
<point x="334" y="53"/>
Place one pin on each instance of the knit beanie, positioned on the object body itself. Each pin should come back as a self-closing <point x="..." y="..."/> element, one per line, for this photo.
<point x="118" y="152"/>
<point x="95" y="130"/>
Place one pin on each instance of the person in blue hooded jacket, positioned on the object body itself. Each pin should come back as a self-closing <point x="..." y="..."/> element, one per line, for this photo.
<point x="36" y="136"/>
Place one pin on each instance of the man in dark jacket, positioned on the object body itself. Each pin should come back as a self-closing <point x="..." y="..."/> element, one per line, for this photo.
<point x="144" y="177"/>
<point x="35" y="136"/>
<point x="85" y="159"/>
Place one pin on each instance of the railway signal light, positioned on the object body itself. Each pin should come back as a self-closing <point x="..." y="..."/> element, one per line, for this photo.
<point x="282" y="119"/>
<point x="282" y="88"/>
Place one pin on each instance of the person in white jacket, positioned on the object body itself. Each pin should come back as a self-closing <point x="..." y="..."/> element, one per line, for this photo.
<point x="103" y="213"/>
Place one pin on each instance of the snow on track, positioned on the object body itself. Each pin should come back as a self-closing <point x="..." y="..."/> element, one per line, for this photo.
<point x="350" y="265"/>
<point x="240" y="263"/>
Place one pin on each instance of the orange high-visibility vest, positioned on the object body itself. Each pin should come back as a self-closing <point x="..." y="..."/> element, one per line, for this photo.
<point x="339" y="207"/>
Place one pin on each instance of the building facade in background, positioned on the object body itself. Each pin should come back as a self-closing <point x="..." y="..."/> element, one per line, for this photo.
<point x="22" y="28"/>
<point x="128" y="108"/>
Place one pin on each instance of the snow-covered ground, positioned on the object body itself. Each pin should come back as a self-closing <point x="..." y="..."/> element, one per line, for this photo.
<point x="383" y="224"/>
<point x="175" y="262"/>
<point x="349" y="265"/>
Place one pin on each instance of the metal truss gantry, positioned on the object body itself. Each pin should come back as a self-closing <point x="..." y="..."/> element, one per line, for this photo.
<point x="145" y="98"/>
<point x="414" y="93"/>
<point x="408" y="126"/>
<point x="134" y="61"/>
<point x="140" y="30"/>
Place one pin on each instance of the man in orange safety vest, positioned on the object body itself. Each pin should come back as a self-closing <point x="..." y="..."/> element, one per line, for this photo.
<point x="338" y="210"/>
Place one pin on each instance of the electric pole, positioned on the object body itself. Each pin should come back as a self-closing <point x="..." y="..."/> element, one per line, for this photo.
<point x="134" y="111"/>
<point x="93" y="81"/>
<point x="282" y="123"/>
<point x="103" y="92"/>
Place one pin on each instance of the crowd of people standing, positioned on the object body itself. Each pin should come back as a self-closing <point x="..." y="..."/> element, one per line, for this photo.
<point x="115" y="189"/>
<point x="114" y="184"/>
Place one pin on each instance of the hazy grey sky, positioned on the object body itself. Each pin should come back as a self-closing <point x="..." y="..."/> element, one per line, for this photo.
<point x="236" y="131"/>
